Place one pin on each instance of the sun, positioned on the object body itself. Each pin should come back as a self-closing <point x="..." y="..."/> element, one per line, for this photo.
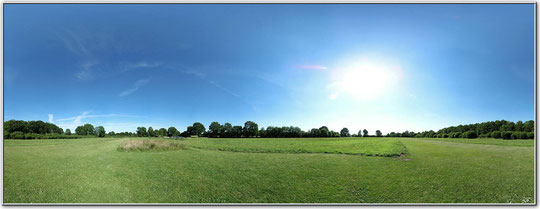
<point x="364" y="79"/>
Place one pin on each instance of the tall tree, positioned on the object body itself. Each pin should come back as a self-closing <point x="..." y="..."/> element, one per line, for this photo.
<point x="227" y="130"/>
<point x="378" y="133"/>
<point x="88" y="129"/>
<point x="68" y="132"/>
<point x="345" y="132"/>
<point x="162" y="132"/>
<point x="100" y="131"/>
<point x="236" y="132"/>
<point x="198" y="129"/>
<point x="173" y="132"/>
<point x="80" y="130"/>
<point x="141" y="132"/>
<point x="214" y="130"/>
<point x="151" y="132"/>
<point x="251" y="129"/>
<point x="365" y="133"/>
<point x="324" y="132"/>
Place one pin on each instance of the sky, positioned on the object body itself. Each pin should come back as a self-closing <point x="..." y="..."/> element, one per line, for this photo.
<point x="388" y="67"/>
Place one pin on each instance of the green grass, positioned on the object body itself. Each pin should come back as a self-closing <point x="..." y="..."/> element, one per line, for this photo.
<point x="93" y="171"/>
<point x="355" y="146"/>
<point x="489" y="141"/>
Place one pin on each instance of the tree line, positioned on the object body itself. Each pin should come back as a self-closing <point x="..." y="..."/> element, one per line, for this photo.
<point x="18" y="129"/>
<point x="491" y="129"/>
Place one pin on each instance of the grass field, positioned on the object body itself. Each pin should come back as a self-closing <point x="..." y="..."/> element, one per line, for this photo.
<point x="270" y="171"/>
<point x="355" y="146"/>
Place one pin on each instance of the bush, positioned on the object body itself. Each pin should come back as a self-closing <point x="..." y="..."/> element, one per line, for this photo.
<point x="16" y="135"/>
<point x="469" y="134"/>
<point x="21" y="135"/>
<point x="506" y="134"/>
<point x="523" y="135"/>
<point x="496" y="134"/>
<point x="515" y="135"/>
<point x="530" y="135"/>
<point x="456" y="135"/>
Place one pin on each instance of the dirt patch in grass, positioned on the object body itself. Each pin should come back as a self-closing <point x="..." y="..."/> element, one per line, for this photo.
<point x="401" y="157"/>
<point x="150" y="145"/>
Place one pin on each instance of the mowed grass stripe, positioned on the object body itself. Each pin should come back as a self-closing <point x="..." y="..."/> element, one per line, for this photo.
<point x="386" y="147"/>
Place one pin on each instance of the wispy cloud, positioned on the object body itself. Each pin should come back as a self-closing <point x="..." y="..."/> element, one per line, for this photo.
<point x="51" y="118"/>
<point x="74" y="42"/>
<point x="85" y="72"/>
<point x="136" y="86"/>
<point x="80" y="44"/>
<point x="313" y="67"/>
<point x="77" y="120"/>
<point x="132" y="126"/>
<point x="144" y="64"/>
<point x="203" y="77"/>
<point x="129" y="66"/>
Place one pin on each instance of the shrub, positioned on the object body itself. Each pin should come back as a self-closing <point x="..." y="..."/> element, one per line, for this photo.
<point x="515" y="135"/>
<point x="469" y="134"/>
<point x="523" y="135"/>
<point x="506" y="135"/>
<point x="17" y="135"/>
<point x="496" y="134"/>
<point x="530" y="135"/>
<point x="21" y="135"/>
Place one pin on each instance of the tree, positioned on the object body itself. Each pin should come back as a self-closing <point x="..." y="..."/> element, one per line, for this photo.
<point x="236" y="132"/>
<point x="80" y="130"/>
<point x="528" y="126"/>
<point x="141" y="132"/>
<point x="151" y="132"/>
<point x="251" y="129"/>
<point x="100" y="131"/>
<point x="162" y="132"/>
<point x="172" y="132"/>
<point x="378" y="133"/>
<point x="262" y="132"/>
<point x="214" y="130"/>
<point x="190" y="131"/>
<point x="88" y="129"/>
<point x="469" y="134"/>
<point x="365" y="133"/>
<point x="519" y="126"/>
<point x="68" y="132"/>
<point x="344" y="132"/>
<point x="227" y="130"/>
<point x="198" y="129"/>
<point x="15" y="125"/>
<point x="324" y="132"/>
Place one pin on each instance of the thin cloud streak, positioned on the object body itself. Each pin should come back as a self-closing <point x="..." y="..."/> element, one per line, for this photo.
<point x="136" y="86"/>
<point x="78" y="120"/>
<point x="313" y="67"/>
<point x="129" y="66"/>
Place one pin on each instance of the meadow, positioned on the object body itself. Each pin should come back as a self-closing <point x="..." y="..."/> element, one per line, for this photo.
<point x="257" y="170"/>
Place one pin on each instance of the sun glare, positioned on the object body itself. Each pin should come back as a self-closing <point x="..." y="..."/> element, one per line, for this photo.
<point x="364" y="80"/>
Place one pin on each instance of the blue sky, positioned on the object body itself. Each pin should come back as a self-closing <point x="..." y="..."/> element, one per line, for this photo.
<point x="392" y="67"/>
